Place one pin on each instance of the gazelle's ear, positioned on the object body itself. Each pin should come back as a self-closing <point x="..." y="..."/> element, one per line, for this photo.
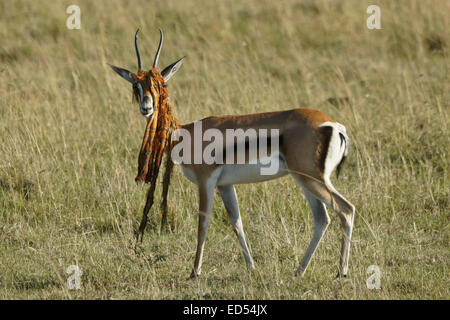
<point x="170" y="70"/>
<point x="127" y="75"/>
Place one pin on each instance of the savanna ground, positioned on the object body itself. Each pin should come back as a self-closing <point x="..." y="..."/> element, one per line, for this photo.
<point x="70" y="137"/>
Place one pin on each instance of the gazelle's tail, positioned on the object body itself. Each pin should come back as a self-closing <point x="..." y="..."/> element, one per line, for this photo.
<point x="346" y="140"/>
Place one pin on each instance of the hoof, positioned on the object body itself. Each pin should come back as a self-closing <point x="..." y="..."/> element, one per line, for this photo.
<point x="339" y="275"/>
<point x="299" y="272"/>
<point x="194" y="275"/>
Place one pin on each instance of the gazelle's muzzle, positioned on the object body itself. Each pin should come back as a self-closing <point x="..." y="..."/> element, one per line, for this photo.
<point x="146" y="106"/>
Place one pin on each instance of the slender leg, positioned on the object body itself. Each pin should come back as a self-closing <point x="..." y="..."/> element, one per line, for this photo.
<point x="325" y="192"/>
<point x="148" y="206"/>
<point x="166" y="184"/>
<point x="321" y="222"/>
<point x="228" y="194"/>
<point x="346" y="212"/>
<point x="149" y="201"/>
<point x="206" y="201"/>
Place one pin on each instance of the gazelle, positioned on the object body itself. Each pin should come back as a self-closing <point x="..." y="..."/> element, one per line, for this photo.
<point x="311" y="146"/>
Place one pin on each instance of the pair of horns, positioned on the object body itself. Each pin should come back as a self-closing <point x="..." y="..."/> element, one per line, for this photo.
<point x="155" y="62"/>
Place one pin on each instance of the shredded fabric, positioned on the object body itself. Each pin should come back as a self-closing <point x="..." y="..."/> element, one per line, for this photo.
<point x="156" y="141"/>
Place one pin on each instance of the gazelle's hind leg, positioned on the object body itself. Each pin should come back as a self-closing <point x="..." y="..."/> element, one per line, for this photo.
<point x="325" y="191"/>
<point x="321" y="222"/>
<point x="347" y="215"/>
<point x="228" y="194"/>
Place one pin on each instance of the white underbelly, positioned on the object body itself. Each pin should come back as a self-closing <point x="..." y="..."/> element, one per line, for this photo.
<point x="248" y="173"/>
<point x="228" y="174"/>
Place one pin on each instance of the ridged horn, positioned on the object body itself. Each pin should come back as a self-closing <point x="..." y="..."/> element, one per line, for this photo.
<point x="137" y="50"/>
<point x="161" y="39"/>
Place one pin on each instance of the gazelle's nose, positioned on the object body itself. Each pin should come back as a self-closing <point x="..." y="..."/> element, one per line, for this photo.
<point x="146" y="111"/>
<point x="146" y="106"/>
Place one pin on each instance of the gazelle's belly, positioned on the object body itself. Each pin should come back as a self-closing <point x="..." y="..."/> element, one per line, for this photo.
<point x="227" y="174"/>
<point x="249" y="173"/>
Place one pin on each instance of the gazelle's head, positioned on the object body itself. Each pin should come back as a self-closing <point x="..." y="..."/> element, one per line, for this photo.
<point x="147" y="84"/>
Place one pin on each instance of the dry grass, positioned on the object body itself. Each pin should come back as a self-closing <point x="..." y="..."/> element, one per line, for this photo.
<point x="70" y="138"/>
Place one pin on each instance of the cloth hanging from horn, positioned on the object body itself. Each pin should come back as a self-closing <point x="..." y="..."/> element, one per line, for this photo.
<point x="161" y="123"/>
<point x="156" y="140"/>
<point x="157" y="135"/>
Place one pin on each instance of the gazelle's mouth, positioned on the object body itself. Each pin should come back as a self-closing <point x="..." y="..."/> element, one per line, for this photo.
<point x="146" y="112"/>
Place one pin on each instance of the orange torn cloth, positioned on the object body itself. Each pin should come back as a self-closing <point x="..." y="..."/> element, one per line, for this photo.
<point x="156" y="139"/>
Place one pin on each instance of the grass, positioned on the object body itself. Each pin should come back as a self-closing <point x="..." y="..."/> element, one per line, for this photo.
<point x="70" y="138"/>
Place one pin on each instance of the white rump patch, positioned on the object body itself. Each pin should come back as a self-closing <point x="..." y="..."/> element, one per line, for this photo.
<point x="336" y="149"/>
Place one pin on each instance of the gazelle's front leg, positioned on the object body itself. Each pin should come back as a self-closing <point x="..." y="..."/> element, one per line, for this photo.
<point x="206" y="194"/>
<point x="228" y="194"/>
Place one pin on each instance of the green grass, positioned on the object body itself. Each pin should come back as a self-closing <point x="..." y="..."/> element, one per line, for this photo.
<point x="70" y="137"/>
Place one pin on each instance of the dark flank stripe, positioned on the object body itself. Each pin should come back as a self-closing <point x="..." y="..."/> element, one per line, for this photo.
<point x="247" y="147"/>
